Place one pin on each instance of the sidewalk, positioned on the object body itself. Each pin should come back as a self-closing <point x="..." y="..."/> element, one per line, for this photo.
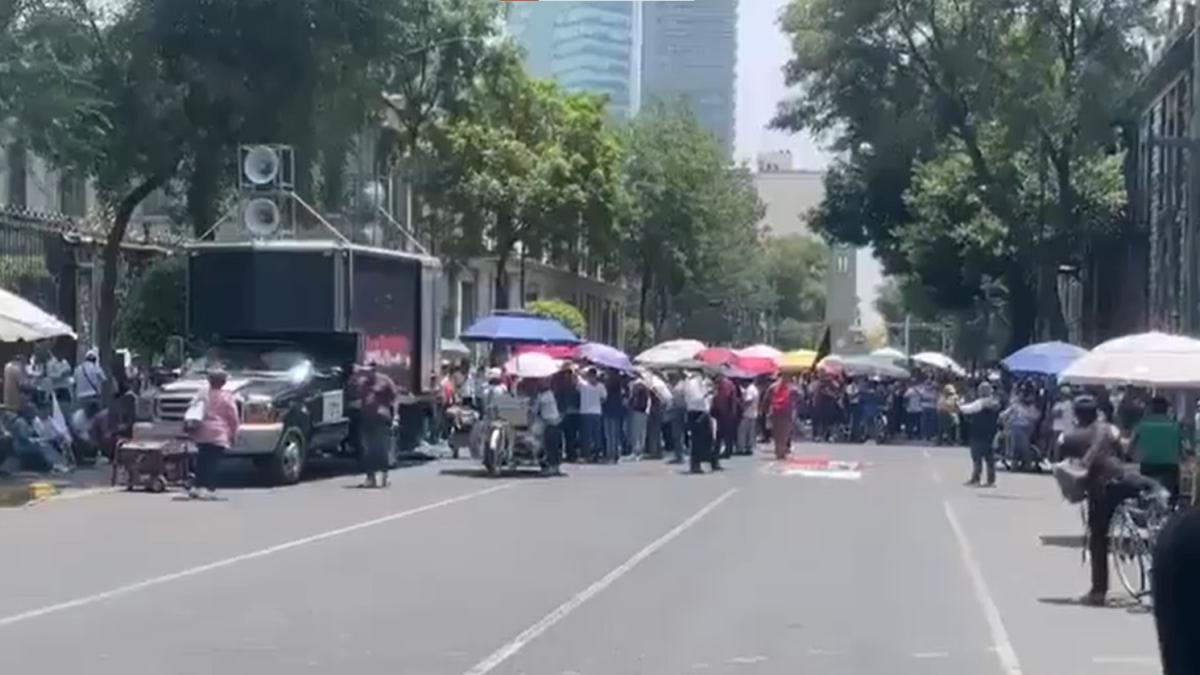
<point x="22" y="487"/>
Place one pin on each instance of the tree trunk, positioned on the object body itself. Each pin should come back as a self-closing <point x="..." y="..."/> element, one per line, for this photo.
<point x="503" y="253"/>
<point x="647" y="281"/>
<point x="1050" y="309"/>
<point x="202" y="190"/>
<point x="111" y="257"/>
<point x="1022" y="308"/>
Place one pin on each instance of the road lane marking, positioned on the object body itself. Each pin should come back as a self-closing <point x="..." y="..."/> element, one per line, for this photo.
<point x="1004" y="648"/>
<point x="1147" y="661"/>
<point x="508" y="650"/>
<point x="931" y="655"/>
<point x="245" y="557"/>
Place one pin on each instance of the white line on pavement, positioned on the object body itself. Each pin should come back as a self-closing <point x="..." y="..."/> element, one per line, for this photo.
<point x="1004" y="647"/>
<point x="544" y="624"/>
<point x="245" y="557"/>
<point x="1147" y="661"/>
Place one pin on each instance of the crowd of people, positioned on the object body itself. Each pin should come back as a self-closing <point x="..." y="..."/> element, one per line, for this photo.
<point x="52" y="418"/>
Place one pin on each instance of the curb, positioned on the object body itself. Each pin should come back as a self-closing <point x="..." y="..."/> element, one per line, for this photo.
<point x="20" y="495"/>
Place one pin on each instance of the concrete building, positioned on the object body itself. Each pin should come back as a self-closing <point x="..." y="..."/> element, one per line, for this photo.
<point x="689" y="53"/>
<point x="584" y="46"/>
<point x="789" y="195"/>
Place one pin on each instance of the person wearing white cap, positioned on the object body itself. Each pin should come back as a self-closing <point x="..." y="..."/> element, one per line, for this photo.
<point x="89" y="378"/>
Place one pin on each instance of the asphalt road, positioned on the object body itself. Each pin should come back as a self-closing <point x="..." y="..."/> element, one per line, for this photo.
<point x="636" y="568"/>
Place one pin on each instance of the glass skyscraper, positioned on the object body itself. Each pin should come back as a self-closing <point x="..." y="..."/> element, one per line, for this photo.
<point x="584" y="46"/>
<point x="689" y="52"/>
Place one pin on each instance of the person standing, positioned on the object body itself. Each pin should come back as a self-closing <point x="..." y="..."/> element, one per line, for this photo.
<point x="929" y="396"/>
<point x="89" y="379"/>
<point x="591" y="401"/>
<point x="546" y="421"/>
<point x="215" y="434"/>
<point x="677" y="418"/>
<point x="984" y="414"/>
<point x="378" y="395"/>
<point x="565" y="385"/>
<point x="14" y="381"/>
<point x="782" y="412"/>
<point x="639" y="414"/>
<point x="725" y="413"/>
<point x="748" y="425"/>
<point x="1157" y="442"/>
<point x="912" y="411"/>
<point x="699" y="423"/>
<point x="613" y="410"/>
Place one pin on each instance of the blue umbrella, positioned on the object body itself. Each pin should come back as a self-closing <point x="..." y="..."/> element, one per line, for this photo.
<point x="1046" y="358"/>
<point x="604" y="355"/>
<point x="521" y="327"/>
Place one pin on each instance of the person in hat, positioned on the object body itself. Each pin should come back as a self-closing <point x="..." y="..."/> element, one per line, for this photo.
<point x="378" y="394"/>
<point x="89" y="379"/>
<point x="215" y="433"/>
<point x="984" y="414"/>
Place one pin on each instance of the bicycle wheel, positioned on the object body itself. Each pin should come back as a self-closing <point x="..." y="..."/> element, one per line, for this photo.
<point x="1129" y="546"/>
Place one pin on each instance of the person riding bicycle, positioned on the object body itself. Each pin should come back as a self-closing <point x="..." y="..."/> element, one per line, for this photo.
<point x="1107" y="483"/>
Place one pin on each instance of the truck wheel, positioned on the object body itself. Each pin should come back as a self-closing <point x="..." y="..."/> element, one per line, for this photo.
<point x="287" y="464"/>
<point x="491" y="452"/>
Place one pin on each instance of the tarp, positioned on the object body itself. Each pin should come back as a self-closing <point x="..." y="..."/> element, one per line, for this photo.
<point x="21" y="320"/>
<point x="512" y="326"/>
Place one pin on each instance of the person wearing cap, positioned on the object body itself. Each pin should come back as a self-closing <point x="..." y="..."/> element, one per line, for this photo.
<point x="984" y="414"/>
<point x="89" y="378"/>
<point x="1097" y="443"/>
<point x="215" y="434"/>
<point x="378" y="394"/>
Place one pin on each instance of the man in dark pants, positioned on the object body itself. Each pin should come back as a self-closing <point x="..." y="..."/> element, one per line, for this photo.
<point x="1176" y="589"/>
<point x="1097" y="444"/>
<point x="700" y="429"/>
<point x="984" y="415"/>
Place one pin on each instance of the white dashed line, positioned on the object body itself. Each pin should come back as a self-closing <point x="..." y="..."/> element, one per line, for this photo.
<point x="1004" y="648"/>
<point x="229" y="562"/>
<point x="547" y="622"/>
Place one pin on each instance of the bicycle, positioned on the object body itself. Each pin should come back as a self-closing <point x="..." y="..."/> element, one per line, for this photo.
<point x="1136" y="523"/>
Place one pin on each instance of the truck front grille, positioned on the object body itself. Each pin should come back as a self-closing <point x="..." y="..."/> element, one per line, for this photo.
<point x="171" y="407"/>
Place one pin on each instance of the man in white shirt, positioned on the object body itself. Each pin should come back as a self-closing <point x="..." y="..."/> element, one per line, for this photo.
<point x="749" y="422"/>
<point x="591" y="400"/>
<point x="700" y="426"/>
<point x="546" y="422"/>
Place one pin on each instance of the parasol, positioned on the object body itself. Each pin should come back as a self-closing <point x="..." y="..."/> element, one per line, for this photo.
<point x="670" y="353"/>
<point x="606" y="356"/>
<point x="1146" y="359"/>
<point x="1046" y="358"/>
<point x="21" y="320"/>
<point x="522" y="327"/>
<point x="940" y="362"/>
<point x="532" y="364"/>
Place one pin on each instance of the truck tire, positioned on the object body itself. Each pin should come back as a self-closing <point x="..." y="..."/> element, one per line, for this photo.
<point x="491" y="452"/>
<point x="287" y="464"/>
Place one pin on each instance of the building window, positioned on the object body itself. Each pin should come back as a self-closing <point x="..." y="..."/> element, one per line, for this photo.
<point x="843" y="263"/>
<point x="17" y="160"/>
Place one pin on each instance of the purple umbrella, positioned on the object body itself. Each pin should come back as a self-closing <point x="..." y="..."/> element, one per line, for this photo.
<point x="604" y="355"/>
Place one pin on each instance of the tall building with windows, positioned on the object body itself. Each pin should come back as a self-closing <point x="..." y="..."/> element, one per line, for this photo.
<point x="584" y="46"/>
<point x="689" y="53"/>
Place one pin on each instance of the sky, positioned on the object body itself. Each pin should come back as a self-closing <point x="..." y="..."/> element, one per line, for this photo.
<point x="762" y="52"/>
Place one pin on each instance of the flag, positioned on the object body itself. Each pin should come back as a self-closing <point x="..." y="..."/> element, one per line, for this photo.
<point x="824" y="348"/>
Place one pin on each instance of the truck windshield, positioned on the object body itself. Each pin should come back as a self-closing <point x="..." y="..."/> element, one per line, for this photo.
<point x="264" y="358"/>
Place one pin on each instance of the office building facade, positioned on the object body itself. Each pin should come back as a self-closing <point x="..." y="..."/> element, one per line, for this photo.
<point x="689" y="53"/>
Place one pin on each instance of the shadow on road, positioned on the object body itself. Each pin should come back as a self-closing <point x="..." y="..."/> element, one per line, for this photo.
<point x="1126" y="604"/>
<point x="482" y="473"/>
<point x="1062" y="540"/>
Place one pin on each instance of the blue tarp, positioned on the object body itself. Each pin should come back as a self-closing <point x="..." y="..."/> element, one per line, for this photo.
<point x="519" y="327"/>
<point x="1046" y="358"/>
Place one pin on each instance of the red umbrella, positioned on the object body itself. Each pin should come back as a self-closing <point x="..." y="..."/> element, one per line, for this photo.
<point x="561" y="352"/>
<point x="756" y="365"/>
<point x="716" y="356"/>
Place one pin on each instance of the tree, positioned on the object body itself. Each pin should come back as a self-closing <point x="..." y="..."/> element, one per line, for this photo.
<point x="792" y="334"/>
<point x="561" y="311"/>
<point x="796" y="266"/>
<point x="689" y="238"/>
<point x="154" y="310"/>
<point x="979" y="134"/>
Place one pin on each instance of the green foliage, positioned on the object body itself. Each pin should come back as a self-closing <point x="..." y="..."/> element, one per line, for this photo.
<point x="561" y="311"/>
<point x="792" y="334"/>
<point x="154" y="309"/>
<point x="979" y="135"/>
<point x="796" y="267"/>
<point x="637" y="339"/>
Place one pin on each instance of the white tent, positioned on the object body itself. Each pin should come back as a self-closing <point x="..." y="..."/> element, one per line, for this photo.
<point x="23" y="320"/>
<point x="1146" y="359"/>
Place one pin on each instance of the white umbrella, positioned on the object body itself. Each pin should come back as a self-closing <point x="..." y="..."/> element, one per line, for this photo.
<point x="532" y="364"/>
<point x="670" y="353"/>
<point x="760" y="352"/>
<point x="1147" y="359"/>
<point x="23" y="320"/>
<point x="890" y="353"/>
<point x="940" y="361"/>
<point x="656" y="384"/>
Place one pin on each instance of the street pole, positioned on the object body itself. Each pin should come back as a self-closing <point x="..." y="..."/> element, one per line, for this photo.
<point x="1193" y="189"/>
<point x="907" y="334"/>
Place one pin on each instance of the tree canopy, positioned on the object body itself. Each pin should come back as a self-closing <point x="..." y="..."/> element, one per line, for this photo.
<point x="978" y="135"/>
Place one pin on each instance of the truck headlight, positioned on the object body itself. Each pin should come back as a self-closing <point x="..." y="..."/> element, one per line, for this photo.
<point x="258" y="412"/>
